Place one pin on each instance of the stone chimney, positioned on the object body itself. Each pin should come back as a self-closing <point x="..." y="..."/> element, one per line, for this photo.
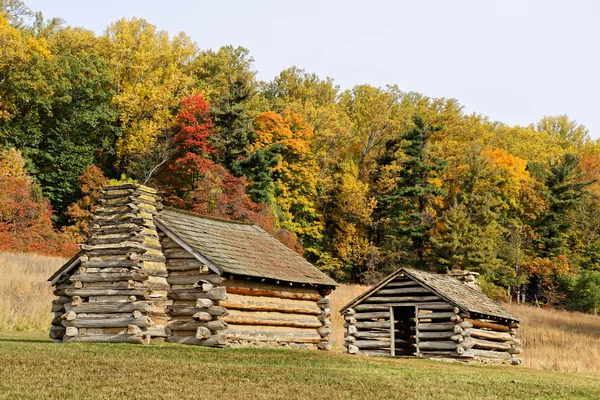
<point x="123" y="269"/>
<point x="469" y="278"/>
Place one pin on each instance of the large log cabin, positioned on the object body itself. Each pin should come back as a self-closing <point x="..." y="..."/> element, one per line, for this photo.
<point x="416" y="313"/>
<point x="152" y="273"/>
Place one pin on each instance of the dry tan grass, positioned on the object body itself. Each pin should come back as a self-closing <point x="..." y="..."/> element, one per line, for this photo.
<point x="553" y="340"/>
<point x="25" y="294"/>
<point x="559" y="340"/>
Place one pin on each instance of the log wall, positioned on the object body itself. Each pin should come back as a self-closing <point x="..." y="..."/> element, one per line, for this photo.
<point x="119" y="291"/>
<point x="425" y="325"/>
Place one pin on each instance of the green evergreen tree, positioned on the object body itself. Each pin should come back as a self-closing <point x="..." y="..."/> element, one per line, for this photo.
<point x="408" y="206"/>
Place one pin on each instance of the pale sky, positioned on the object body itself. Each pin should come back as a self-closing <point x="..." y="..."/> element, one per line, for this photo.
<point x="514" y="61"/>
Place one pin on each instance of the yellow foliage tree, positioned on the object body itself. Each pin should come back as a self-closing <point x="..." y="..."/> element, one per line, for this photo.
<point x="150" y="77"/>
<point x="296" y="175"/>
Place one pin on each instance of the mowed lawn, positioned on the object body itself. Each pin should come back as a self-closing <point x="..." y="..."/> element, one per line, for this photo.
<point x="33" y="368"/>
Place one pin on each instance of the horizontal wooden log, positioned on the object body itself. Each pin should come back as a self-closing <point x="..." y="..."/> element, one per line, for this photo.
<point x="186" y="265"/>
<point x="374" y="353"/>
<point x="436" y="335"/>
<point x="372" y="334"/>
<point x="492" y="335"/>
<point x="117" y="307"/>
<point x="109" y="277"/>
<point x="436" y="345"/>
<point x="489" y="345"/>
<point x="283" y="294"/>
<point x="188" y="279"/>
<point x="178" y="253"/>
<point x="123" y="338"/>
<point x="216" y="294"/>
<point x="403" y="291"/>
<point x="264" y="306"/>
<point x="193" y="325"/>
<point x="515" y="350"/>
<point x="395" y="284"/>
<point x="491" y="354"/>
<point x="436" y="315"/>
<point x="213" y="341"/>
<point x="143" y="322"/>
<point x="372" y="324"/>
<point x="179" y="310"/>
<point x="265" y="336"/>
<point x="252" y="320"/>
<point x="428" y="306"/>
<point x="400" y="299"/>
<point x="439" y="326"/>
<point x="482" y="324"/>
<point x="108" y="292"/>
<point x="371" y="315"/>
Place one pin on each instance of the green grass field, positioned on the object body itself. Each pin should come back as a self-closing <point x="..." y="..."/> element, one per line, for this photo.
<point x="33" y="368"/>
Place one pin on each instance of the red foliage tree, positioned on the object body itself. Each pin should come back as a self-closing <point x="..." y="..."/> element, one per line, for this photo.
<point x="25" y="214"/>
<point x="194" y="182"/>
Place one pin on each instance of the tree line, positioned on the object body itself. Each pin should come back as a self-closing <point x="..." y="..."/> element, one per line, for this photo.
<point x="359" y="181"/>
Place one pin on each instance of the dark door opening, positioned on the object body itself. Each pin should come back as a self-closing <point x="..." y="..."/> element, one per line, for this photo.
<point x="403" y="331"/>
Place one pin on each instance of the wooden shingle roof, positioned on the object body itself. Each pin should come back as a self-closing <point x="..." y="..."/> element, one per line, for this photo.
<point x="448" y="288"/>
<point x="239" y="248"/>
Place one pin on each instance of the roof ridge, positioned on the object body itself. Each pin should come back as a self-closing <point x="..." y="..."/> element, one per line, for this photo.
<point x="203" y="216"/>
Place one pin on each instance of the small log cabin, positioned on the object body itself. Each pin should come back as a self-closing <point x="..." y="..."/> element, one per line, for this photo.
<point x="152" y="273"/>
<point x="416" y="313"/>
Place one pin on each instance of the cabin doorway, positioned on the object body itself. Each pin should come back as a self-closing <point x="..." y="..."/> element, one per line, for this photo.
<point x="403" y="328"/>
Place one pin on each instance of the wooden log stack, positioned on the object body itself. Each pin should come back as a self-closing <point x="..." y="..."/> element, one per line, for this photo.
<point x="119" y="292"/>
<point x="196" y="291"/>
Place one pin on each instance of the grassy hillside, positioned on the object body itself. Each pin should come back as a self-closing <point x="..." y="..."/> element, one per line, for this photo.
<point x="32" y="368"/>
<point x="553" y="340"/>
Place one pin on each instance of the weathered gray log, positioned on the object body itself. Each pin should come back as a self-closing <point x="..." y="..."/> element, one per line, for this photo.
<point x="491" y="354"/>
<point x="436" y="345"/>
<point x="514" y="350"/>
<point x="350" y="319"/>
<point x="215" y="340"/>
<point x="107" y="292"/>
<point x="122" y="338"/>
<point x="371" y="315"/>
<point x="428" y="306"/>
<point x="403" y="299"/>
<point x="349" y="311"/>
<point x="394" y="284"/>
<point x="466" y="344"/>
<point x="401" y="291"/>
<point x="218" y="293"/>
<point x="248" y="320"/>
<point x="266" y="336"/>
<point x="193" y="325"/>
<point x="374" y="353"/>
<point x="69" y="316"/>
<point x="107" y="307"/>
<point x="324" y="331"/>
<point x="351" y="329"/>
<point x="202" y="316"/>
<point x="458" y="338"/>
<point x="204" y="303"/>
<point x="191" y="310"/>
<point x="109" y="277"/>
<point x="202" y="333"/>
<point x="57" y="306"/>
<point x="262" y="306"/>
<point x="489" y="345"/>
<point x="372" y="334"/>
<point x="439" y="326"/>
<point x="188" y="279"/>
<point x="372" y="324"/>
<point x="143" y="322"/>
<point x="436" y="315"/>
<point x="435" y="335"/>
<point x="483" y="334"/>
<point x="353" y="349"/>
<point x="282" y="294"/>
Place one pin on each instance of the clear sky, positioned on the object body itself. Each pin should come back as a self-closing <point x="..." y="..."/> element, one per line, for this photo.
<point x="514" y="61"/>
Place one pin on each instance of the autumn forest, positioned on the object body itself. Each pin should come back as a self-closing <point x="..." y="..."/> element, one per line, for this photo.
<point x="359" y="181"/>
